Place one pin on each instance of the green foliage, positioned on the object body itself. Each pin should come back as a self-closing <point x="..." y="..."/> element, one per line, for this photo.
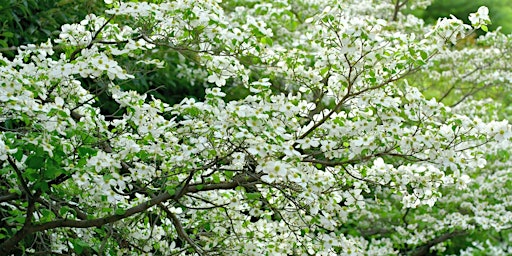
<point x="164" y="83"/>
<point x="34" y="21"/>
<point x="499" y="10"/>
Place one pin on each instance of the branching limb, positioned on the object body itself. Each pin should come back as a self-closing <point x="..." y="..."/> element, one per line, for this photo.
<point x="9" y="197"/>
<point x="180" y="230"/>
<point x="22" y="181"/>
<point x="424" y="249"/>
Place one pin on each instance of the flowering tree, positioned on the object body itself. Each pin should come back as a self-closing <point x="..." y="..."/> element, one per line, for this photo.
<point x="332" y="149"/>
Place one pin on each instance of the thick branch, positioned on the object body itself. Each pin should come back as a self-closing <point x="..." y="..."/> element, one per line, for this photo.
<point x="9" y="197"/>
<point x="8" y="245"/>
<point x="102" y="221"/>
<point x="180" y="230"/>
<point x="424" y="249"/>
<point x="20" y="177"/>
<point x="237" y="181"/>
<point x="398" y="5"/>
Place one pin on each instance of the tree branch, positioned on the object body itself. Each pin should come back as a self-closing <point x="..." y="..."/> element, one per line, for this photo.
<point x="9" y="197"/>
<point x="179" y="229"/>
<point x="73" y="54"/>
<point x="20" y="177"/>
<point x="8" y="245"/>
<point x="424" y="249"/>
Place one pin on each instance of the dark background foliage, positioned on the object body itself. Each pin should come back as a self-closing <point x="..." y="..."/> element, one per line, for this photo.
<point x="500" y="11"/>
<point x="34" y="21"/>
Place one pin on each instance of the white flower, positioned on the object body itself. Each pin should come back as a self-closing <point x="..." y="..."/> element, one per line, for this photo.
<point x="307" y="143"/>
<point x="215" y="92"/>
<point x="217" y="79"/>
<point x="463" y="181"/>
<point x="4" y="150"/>
<point x="59" y="101"/>
<point x="481" y="17"/>
<point x="275" y="170"/>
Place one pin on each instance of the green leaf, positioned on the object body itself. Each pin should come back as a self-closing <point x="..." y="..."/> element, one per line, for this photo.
<point x="503" y="155"/>
<point x="52" y="169"/>
<point x="18" y="155"/>
<point x="229" y="174"/>
<point x="267" y="41"/>
<point x="65" y="209"/>
<point x="216" y="178"/>
<point x="171" y="191"/>
<point x="7" y="34"/>
<point x="120" y="211"/>
<point x="35" y="162"/>
<point x="20" y="219"/>
<point x="79" y="246"/>
<point x="42" y="185"/>
<point x="31" y="174"/>
<point x="253" y="196"/>
<point x="86" y="151"/>
<point x="420" y="62"/>
<point x="106" y="209"/>
<point x="47" y="215"/>
<point x="484" y="28"/>
<point x="423" y="55"/>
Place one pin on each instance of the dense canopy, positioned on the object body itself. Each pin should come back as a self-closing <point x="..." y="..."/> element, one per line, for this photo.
<point x="325" y="128"/>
